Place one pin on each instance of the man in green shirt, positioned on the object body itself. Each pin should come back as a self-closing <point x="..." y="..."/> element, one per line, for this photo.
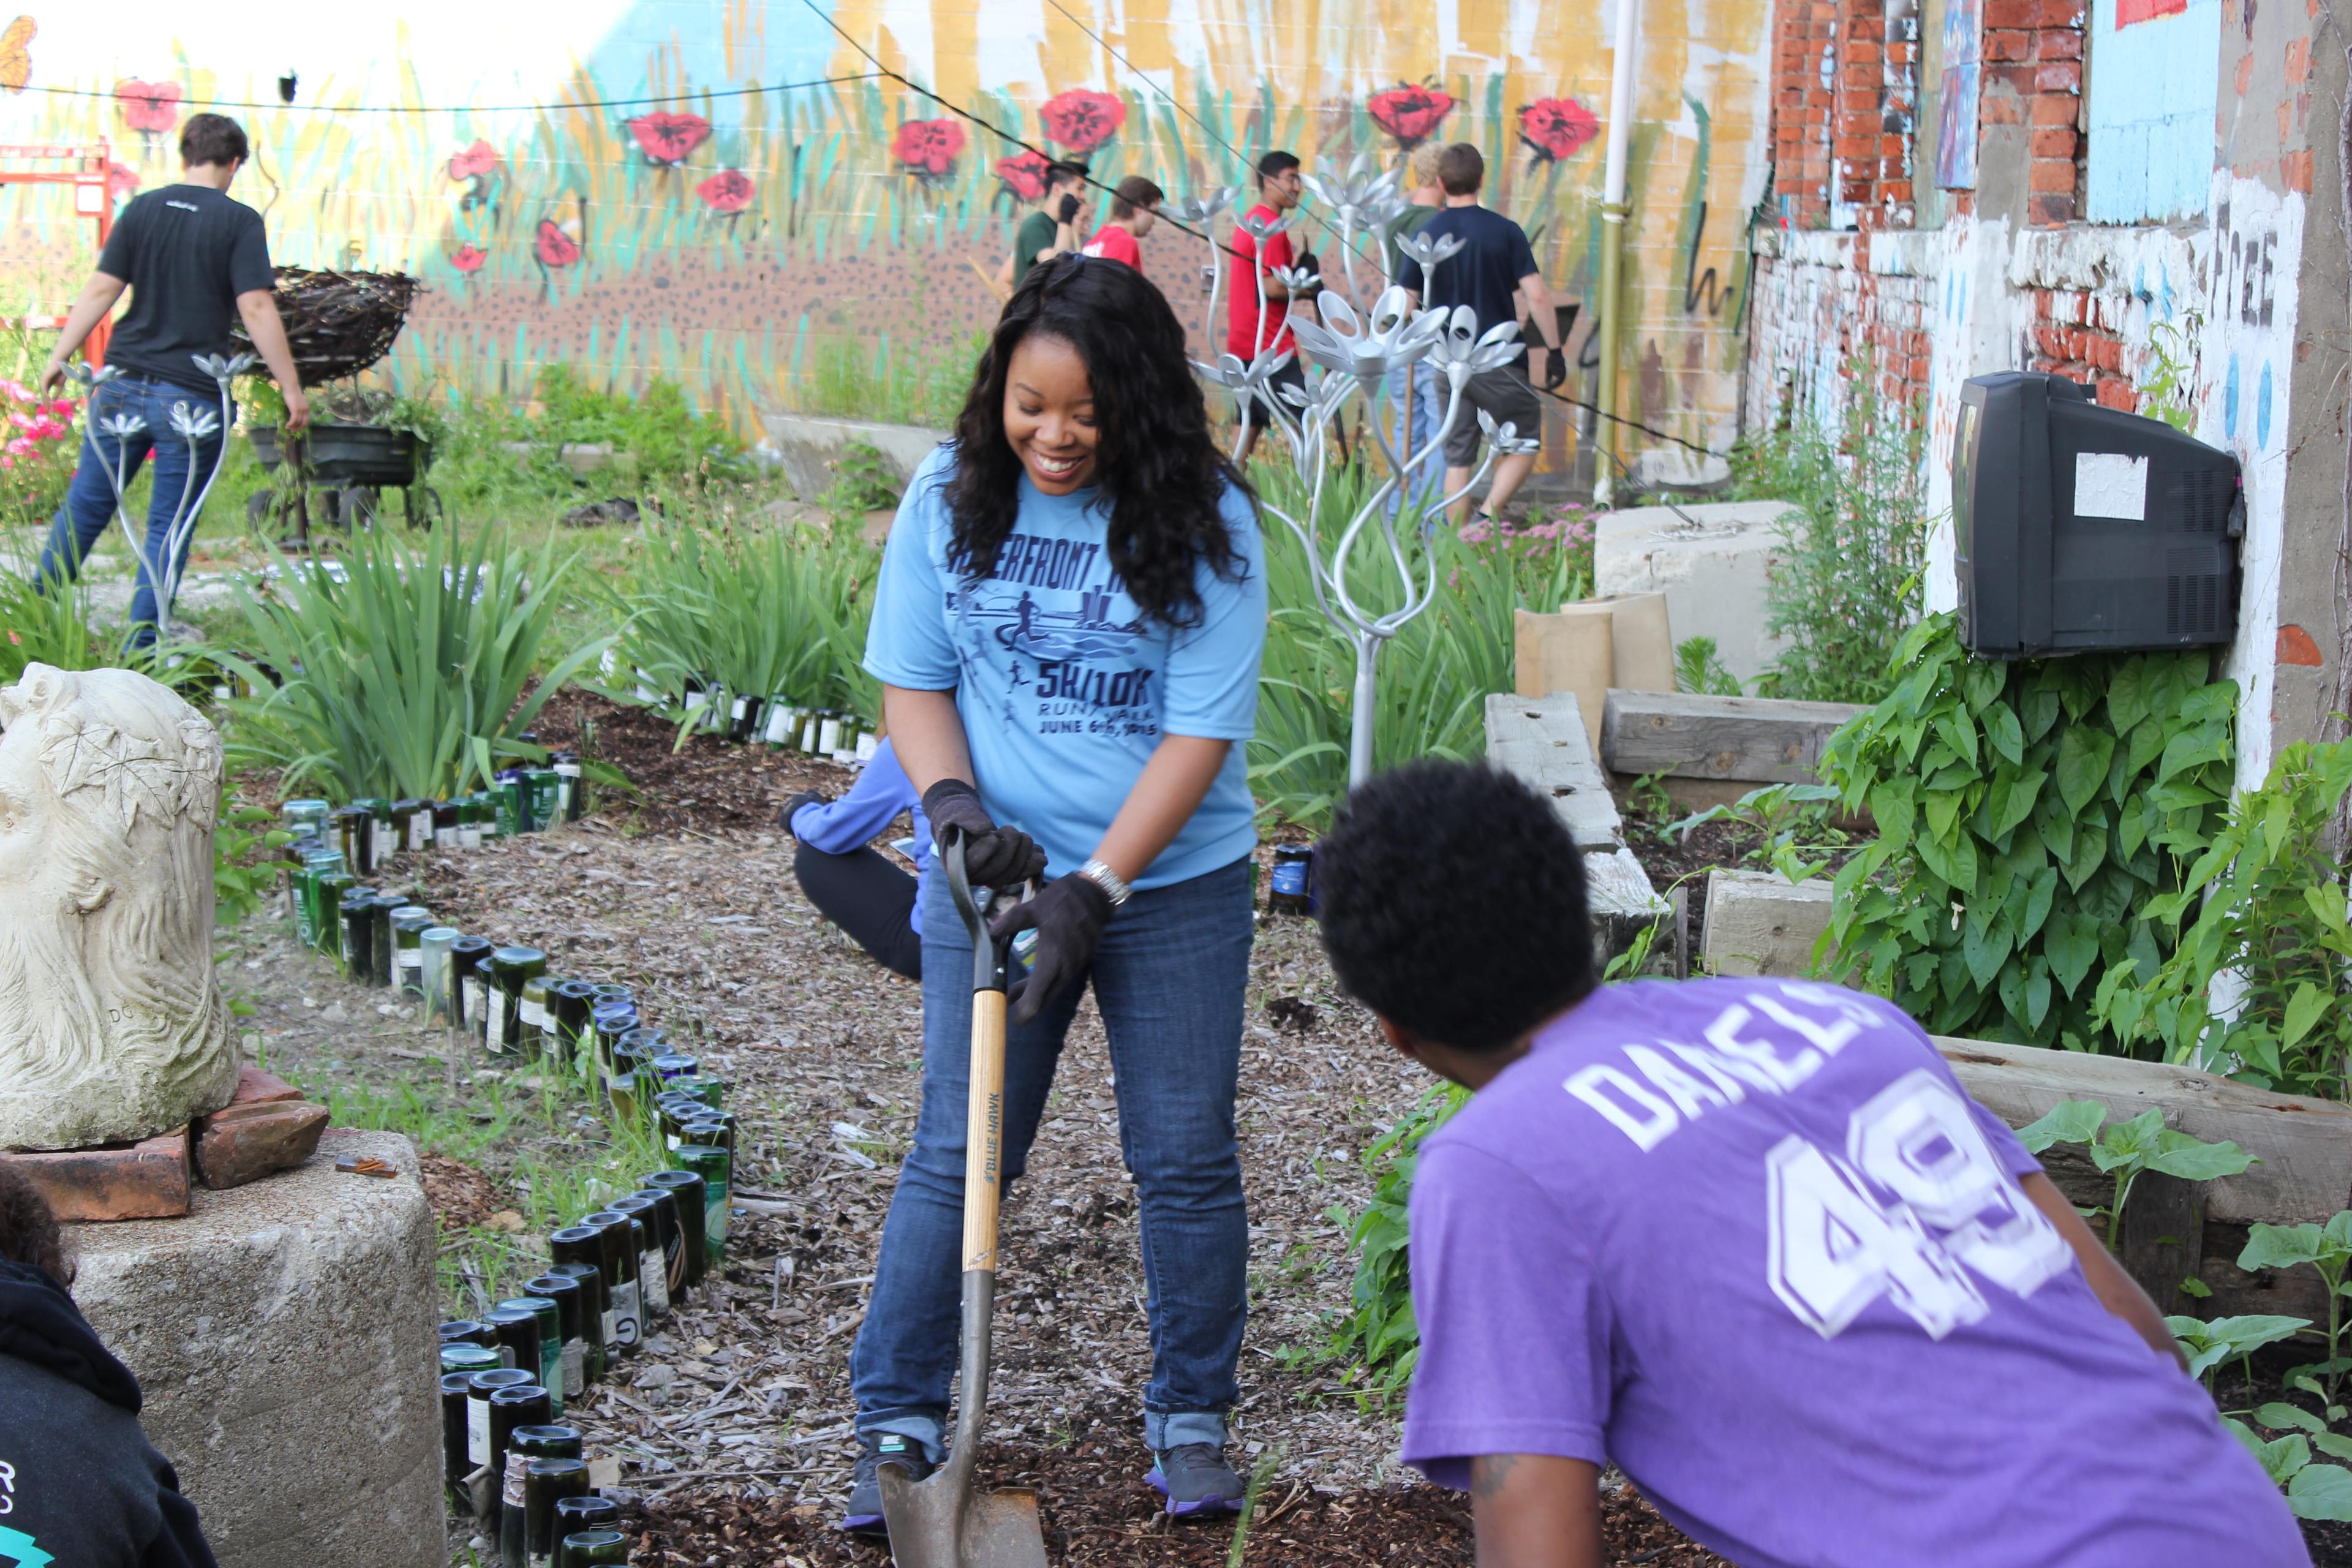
<point x="1051" y="228"/>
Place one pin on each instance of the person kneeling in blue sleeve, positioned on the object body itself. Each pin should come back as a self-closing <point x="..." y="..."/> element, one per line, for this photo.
<point x="79" y="1484"/>
<point x="1748" y="1240"/>
<point x="853" y="884"/>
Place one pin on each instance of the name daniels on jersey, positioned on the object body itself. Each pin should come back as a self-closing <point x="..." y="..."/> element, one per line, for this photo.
<point x="1663" y="1088"/>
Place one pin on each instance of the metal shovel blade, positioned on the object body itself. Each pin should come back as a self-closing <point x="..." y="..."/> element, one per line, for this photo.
<point x="942" y="1524"/>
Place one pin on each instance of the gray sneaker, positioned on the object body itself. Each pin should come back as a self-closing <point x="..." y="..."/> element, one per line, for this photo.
<point x="864" y="1514"/>
<point x="1196" y="1481"/>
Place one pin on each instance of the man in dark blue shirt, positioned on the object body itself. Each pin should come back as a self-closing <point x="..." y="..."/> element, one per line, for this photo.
<point x="196" y="262"/>
<point x="1494" y="274"/>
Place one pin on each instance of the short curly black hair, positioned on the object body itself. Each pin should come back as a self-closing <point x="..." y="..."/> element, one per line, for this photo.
<point x="1453" y="904"/>
<point x="28" y="1231"/>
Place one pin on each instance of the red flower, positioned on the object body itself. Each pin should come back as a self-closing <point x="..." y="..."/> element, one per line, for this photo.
<point x="1408" y="113"/>
<point x="469" y="256"/>
<point x="152" y="106"/>
<point x="1026" y="173"/>
<point x="553" y="247"/>
<point x="1082" y="118"/>
<point x="1557" y="129"/>
<point x="474" y="162"/>
<point x="728" y="191"/>
<point x="669" y="139"/>
<point x="928" y="147"/>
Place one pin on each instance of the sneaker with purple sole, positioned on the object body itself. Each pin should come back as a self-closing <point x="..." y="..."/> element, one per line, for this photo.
<point x="1196" y="1481"/>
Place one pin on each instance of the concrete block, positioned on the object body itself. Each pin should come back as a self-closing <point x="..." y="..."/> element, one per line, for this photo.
<point x="806" y="445"/>
<point x="1710" y="562"/>
<point x="1759" y="922"/>
<point x="1541" y="741"/>
<point x="283" y="1335"/>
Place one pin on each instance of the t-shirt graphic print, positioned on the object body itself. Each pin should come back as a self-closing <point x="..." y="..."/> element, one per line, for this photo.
<point x="1064" y="686"/>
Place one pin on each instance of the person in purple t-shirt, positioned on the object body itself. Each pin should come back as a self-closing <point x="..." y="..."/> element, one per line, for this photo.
<point x="1748" y="1241"/>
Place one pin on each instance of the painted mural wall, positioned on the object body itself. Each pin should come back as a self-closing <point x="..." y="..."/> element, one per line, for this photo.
<point x="731" y="194"/>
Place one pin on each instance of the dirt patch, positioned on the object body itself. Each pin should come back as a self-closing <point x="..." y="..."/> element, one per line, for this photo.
<point x="707" y="785"/>
<point x="461" y="1197"/>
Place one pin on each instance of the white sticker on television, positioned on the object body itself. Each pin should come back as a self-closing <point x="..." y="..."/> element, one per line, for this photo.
<point x="2109" y="484"/>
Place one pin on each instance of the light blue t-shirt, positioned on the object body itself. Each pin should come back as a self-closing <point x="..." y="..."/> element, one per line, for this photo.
<point x="1063" y="688"/>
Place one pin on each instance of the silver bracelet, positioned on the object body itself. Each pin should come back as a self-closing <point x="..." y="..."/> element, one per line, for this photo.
<point x="1113" y="885"/>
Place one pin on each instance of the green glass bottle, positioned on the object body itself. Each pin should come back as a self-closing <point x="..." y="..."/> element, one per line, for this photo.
<point x="530" y="1019"/>
<point x="622" y="1246"/>
<point x="468" y="1358"/>
<point x="590" y="1278"/>
<point x="440" y="975"/>
<point x="544" y="1482"/>
<point x="308" y="916"/>
<point x="568" y="1003"/>
<point x="412" y="825"/>
<point x="591" y="1548"/>
<point x="455" y="1466"/>
<point x="564" y="1295"/>
<point x="577" y="1247"/>
<point x="528" y="1447"/>
<point x="470" y="976"/>
<point x="550" y="1343"/>
<point x="333" y="883"/>
<point x="478" y="1410"/>
<point x="503" y="1020"/>
<point x="409" y="924"/>
<point x="665" y="1224"/>
<point x="591" y="1513"/>
<point x="710" y="1163"/>
<point x="544" y="788"/>
<point x="380" y="971"/>
<point x="358" y="910"/>
<point x="653" y="1260"/>
<point x="382" y="842"/>
<point x="518" y="1332"/>
<point x="352" y="829"/>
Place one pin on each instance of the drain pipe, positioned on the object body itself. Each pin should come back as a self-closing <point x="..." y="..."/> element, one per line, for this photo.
<point x="1614" y="213"/>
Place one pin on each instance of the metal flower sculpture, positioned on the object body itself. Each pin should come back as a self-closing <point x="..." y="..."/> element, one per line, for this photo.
<point x="1354" y="355"/>
<point x="194" y="426"/>
<point x="1426" y="251"/>
<point x="1364" y="199"/>
<point x="1200" y="211"/>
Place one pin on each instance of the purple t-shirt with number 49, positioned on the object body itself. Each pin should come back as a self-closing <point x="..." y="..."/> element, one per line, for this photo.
<point x="1749" y="1239"/>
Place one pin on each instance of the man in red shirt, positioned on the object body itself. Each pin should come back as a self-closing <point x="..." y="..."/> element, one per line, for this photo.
<point x="1280" y="190"/>
<point x="1133" y="207"/>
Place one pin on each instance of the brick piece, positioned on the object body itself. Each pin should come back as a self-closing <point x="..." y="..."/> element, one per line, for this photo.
<point x="2112" y="394"/>
<point x="2059" y="76"/>
<point x="246" y="1142"/>
<point x="2002" y="108"/>
<point x="147" y="1180"/>
<point x="2059" y="44"/>
<point x="2008" y="44"/>
<point x="2054" y="142"/>
<point x="253" y="1083"/>
<point x="2054" y="110"/>
<point x="2047" y="209"/>
<point x="2050" y="174"/>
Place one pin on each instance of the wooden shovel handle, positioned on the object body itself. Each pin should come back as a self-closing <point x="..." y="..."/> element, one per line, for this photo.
<point x="984" y="1131"/>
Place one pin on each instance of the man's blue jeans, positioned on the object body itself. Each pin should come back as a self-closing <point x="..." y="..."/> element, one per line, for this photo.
<point x="180" y="477"/>
<point x="1168" y="976"/>
<point x="1416" y="407"/>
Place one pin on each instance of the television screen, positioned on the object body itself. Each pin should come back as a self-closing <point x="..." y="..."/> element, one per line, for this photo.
<point x="2078" y="527"/>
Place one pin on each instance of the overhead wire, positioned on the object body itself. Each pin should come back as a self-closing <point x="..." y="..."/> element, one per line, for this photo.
<point x="469" y="108"/>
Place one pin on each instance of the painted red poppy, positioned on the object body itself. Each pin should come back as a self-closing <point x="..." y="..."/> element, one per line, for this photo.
<point x="728" y="191"/>
<point x="1557" y="129"/>
<point x="669" y="139"/>
<point x="1026" y="173"/>
<point x="1408" y="113"/>
<point x="469" y="256"/>
<point x="1082" y="118"/>
<point x="474" y="162"/>
<point x="553" y="247"/>
<point x="928" y="147"/>
<point x="149" y="106"/>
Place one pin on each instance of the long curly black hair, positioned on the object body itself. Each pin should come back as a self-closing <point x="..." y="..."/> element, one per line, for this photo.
<point x="1157" y="466"/>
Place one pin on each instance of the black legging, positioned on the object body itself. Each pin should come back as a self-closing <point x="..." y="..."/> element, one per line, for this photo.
<point x="867" y="896"/>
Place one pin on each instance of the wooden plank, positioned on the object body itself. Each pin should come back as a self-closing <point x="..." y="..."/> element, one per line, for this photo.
<point x="2303" y="1146"/>
<point x="2164" y="1239"/>
<point x="1684" y="735"/>
<point x="1542" y="741"/>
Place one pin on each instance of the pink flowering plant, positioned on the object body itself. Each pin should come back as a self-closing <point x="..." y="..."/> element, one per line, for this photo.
<point x="36" y="456"/>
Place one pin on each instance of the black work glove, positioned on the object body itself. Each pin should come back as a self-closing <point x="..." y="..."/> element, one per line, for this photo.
<point x="1068" y="211"/>
<point x="1554" y="368"/>
<point x="1069" y="915"/>
<point x="994" y="857"/>
<point x="792" y="806"/>
<point x="1310" y="266"/>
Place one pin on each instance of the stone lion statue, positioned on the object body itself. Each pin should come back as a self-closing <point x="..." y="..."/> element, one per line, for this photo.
<point x="111" y="1022"/>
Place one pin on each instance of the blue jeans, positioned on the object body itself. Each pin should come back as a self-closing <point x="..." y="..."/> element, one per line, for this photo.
<point x="1168" y="976"/>
<point x="1416" y="407"/>
<point x="89" y="503"/>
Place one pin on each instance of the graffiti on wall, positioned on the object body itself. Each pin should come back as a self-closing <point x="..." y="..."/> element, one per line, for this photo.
<point x="2150" y="116"/>
<point x="729" y="194"/>
<point x="1955" y="95"/>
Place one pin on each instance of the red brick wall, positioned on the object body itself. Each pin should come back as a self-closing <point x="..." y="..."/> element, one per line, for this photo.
<point x="1804" y="38"/>
<point x="1844" y="98"/>
<point x="2074" y="336"/>
<point x="2033" y="78"/>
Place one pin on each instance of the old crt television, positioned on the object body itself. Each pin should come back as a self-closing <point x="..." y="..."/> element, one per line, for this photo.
<point x="2078" y="527"/>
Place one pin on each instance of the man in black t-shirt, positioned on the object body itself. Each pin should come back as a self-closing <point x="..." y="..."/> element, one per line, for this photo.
<point x="196" y="262"/>
<point x="1494" y="273"/>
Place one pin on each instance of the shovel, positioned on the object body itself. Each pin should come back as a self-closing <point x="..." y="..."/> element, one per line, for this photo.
<point x="941" y="1522"/>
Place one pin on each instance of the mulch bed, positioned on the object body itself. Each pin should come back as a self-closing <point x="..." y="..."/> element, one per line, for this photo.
<point x="707" y="786"/>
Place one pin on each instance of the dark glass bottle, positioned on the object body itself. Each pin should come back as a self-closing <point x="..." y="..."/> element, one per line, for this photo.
<point x="590" y="1279"/>
<point x="693" y="1207"/>
<point x="582" y="1247"/>
<point x="591" y="1548"/>
<point x="528" y="1447"/>
<point x="551" y="1343"/>
<point x="469" y="958"/>
<point x="412" y="821"/>
<point x="446" y="815"/>
<point x="568" y="1003"/>
<point x="653" y="1259"/>
<point x="573" y="1514"/>
<point x="571" y="1348"/>
<point x="517" y="1334"/>
<point x="502" y="1021"/>
<point x="409" y="924"/>
<point x="455" y="1466"/>
<point x="546" y="789"/>
<point x="333" y="883"/>
<point x="664" y="1224"/>
<point x="470" y="1358"/>
<point x="468" y="1331"/>
<point x="543" y="1482"/>
<point x="522" y="1404"/>
<point x="709" y="1126"/>
<point x="670" y="1067"/>
<point x="380" y="939"/>
<point x="352" y="829"/>
<point x="710" y="1163"/>
<point x="478" y="1448"/>
<point x="622" y="1246"/>
<point x="1291" y="889"/>
<point x="509" y="796"/>
<point x="357" y="908"/>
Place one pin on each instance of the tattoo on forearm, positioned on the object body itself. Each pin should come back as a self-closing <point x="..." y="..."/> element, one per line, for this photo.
<point x="1489" y="1473"/>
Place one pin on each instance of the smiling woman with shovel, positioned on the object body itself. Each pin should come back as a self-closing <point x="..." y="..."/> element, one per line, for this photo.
<point x="1067" y="628"/>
